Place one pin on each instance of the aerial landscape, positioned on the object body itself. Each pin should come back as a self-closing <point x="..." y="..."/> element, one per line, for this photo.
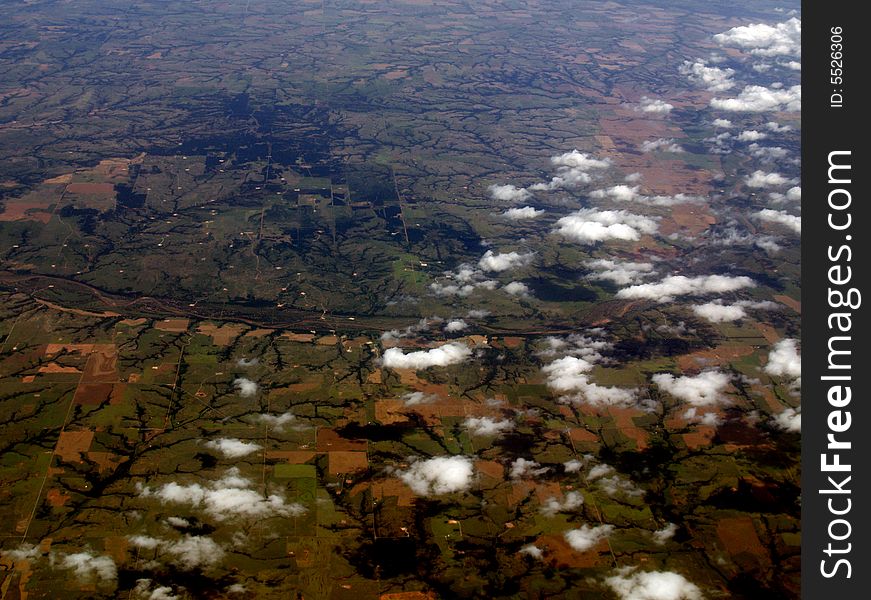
<point x="400" y="299"/>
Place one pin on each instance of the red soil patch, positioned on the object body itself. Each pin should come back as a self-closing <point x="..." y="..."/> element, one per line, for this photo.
<point x="294" y="457"/>
<point x="623" y="420"/>
<point x="388" y="412"/>
<point x="101" y="365"/>
<point x="72" y="444"/>
<point x="578" y="434"/>
<point x="56" y="368"/>
<point x="768" y="332"/>
<point x="330" y="441"/>
<point x="490" y="468"/>
<point x="738" y="536"/>
<point x="790" y="302"/>
<point x="55" y="497"/>
<point x="700" y="438"/>
<point x="299" y="337"/>
<point x="720" y="355"/>
<point x="221" y="335"/>
<point x="173" y="325"/>
<point x="566" y="556"/>
<point x="94" y="394"/>
<point x="92" y="189"/>
<point x="347" y="462"/>
<point x="106" y="461"/>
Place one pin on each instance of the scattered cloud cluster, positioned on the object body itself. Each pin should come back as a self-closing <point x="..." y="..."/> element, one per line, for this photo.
<point x="704" y="389"/>
<point x="522" y="468"/>
<point x="573" y="169"/>
<point x="412" y="330"/>
<point x="487" y="426"/>
<point x="439" y="475"/>
<point x="572" y="500"/>
<point x="783" y="39"/>
<point x="589" y="226"/>
<point x="781" y="217"/>
<point x="630" y="584"/>
<point x="626" y="193"/>
<point x="792" y="194"/>
<point x="190" y="551"/>
<point x="467" y="278"/>
<point x="232" y="447"/>
<point x="90" y="567"/>
<point x="442" y="356"/>
<point x="146" y="590"/>
<point x="570" y="375"/>
<point x="274" y="422"/>
<point x="661" y="144"/>
<point x="87" y="566"/>
<point x="230" y="497"/>
<point x="587" y="537"/>
<point x="673" y="286"/>
<point x="621" y="273"/>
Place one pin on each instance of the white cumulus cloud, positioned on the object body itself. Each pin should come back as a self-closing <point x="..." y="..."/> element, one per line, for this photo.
<point x="517" y="288"/>
<point x="589" y="226"/>
<point x="670" y="287"/>
<point x="190" y="552"/>
<point x="439" y="475"/>
<point x="784" y="359"/>
<point x="442" y="356"/>
<point x="232" y="447"/>
<point x="761" y="179"/>
<point x="780" y="217"/>
<point x="654" y="106"/>
<point x="90" y="567"/>
<point x="508" y="193"/>
<point x="245" y="387"/>
<point x="587" y="537"/>
<point x="757" y="98"/>
<point x="503" y="261"/>
<point x="621" y="273"/>
<point x="487" y="425"/>
<point x="663" y="144"/>
<point x="232" y="496"/>
<point x="761" y="39"/>
<point x="789" y="420"/>
<point x="713" y="79"/>
<point x="570" y="502"/>
<point x="630" y="584"/>
<point x="704" y="389"/>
